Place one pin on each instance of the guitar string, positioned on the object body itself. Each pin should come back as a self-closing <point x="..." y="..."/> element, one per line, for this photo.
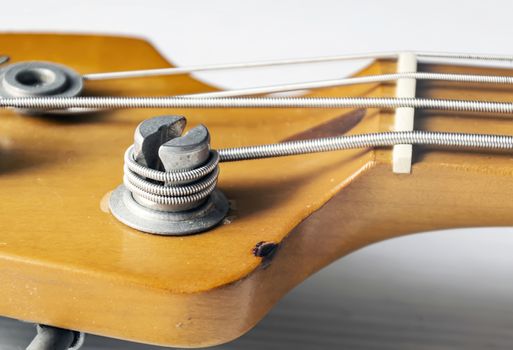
<point x="136" y="176"/>
<point x="230" y="66"/>
<point x="321" y="144"/>
<point x="457" y="140"/>
<point x="268" y="63"/>
<point x="453" y="77"/>
<point x="315" y="145"/>
<point x="462" y="78"/>
<point x="56" y="103"/>
<point x="470" y="78"/>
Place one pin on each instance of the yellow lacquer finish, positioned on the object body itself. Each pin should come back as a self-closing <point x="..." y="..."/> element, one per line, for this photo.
<point x="65" y="261"/>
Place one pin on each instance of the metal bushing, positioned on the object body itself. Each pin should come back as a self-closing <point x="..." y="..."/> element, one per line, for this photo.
<point x="209" y="214"/>
<point x="38" y="79"/>
<point x="34" y="78"/>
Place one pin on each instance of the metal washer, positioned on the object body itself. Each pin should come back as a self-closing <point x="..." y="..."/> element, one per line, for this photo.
<point x="128" y="211"/>
<point x="38" y="78"/>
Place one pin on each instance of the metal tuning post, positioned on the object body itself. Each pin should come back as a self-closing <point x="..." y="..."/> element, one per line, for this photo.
<point x="169" y="184"/>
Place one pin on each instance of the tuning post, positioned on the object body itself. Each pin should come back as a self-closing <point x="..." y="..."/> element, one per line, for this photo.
<point x="170" y="179"/>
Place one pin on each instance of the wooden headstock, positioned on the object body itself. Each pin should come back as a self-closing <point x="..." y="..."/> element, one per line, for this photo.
<point x="66" y="261"/>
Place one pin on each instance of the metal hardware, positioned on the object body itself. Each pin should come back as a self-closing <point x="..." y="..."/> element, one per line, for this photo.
<point x="36" y="79"/>
<point x="53" y="338"/>
<point x="181" y="198"/>
<point x="4" y="59"/>
<point x="30" y="79"/>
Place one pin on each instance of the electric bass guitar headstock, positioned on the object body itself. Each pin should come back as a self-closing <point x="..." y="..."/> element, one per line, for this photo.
<point x="67" y="261"/>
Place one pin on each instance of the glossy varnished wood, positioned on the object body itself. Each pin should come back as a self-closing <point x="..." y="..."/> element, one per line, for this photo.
<point x="65" y="261"/>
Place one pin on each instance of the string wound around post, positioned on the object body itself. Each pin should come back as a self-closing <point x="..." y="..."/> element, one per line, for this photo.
<point x="170" y="180"/>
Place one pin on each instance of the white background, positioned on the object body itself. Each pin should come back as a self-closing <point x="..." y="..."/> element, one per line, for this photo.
<point x="442" y="290"/>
